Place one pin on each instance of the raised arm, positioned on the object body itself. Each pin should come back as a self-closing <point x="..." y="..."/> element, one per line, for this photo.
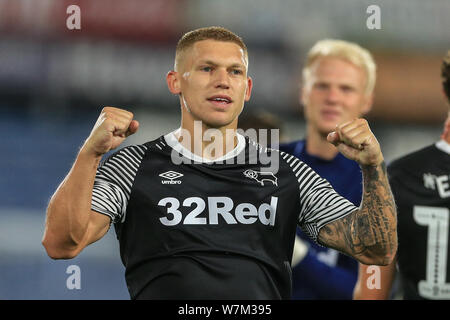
<point x="370" y="233"/>
<point x="70" y="224"/>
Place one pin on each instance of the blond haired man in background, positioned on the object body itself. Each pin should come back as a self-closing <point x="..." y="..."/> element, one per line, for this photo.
<point x="337" y="87"/>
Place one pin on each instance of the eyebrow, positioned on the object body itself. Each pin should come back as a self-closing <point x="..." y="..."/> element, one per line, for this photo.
<point x="339" y="84"/>
<point x="211" y="63"/>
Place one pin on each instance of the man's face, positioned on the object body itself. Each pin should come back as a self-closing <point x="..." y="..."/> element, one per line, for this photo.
<point x="213" y="82"/>
<point x="334" y="94"/>
<point x="446" y="132"/>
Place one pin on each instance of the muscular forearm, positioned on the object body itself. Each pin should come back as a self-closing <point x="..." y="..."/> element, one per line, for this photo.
<point x="370" y="233"/>
<point x="70" y="206"/>
<point x="70" y="226"/>
<point x="375" y="225"/>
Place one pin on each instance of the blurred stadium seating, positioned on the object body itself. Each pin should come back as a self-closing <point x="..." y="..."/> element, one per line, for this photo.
<point x="54" y="82"/>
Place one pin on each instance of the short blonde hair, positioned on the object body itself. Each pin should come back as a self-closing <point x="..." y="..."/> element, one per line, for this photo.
<point x="207" y="33"/>
<point x="344" y="50"/>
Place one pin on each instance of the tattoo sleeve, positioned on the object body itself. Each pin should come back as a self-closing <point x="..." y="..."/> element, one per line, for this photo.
<point x="370" y="233"/>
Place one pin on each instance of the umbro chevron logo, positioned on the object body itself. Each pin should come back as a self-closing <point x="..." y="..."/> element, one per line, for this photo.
<point x="170" y="177"/>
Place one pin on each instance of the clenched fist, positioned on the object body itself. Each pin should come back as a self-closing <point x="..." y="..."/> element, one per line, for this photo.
<point x="355" y="140"/>
<point x="113" y="126"/>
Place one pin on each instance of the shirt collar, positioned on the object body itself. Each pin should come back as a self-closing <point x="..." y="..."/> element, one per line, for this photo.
<point x="443" y="145"/>
<point x="173" y="142"/>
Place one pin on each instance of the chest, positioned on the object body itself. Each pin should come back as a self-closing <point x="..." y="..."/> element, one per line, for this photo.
<point x="207" y="194"/>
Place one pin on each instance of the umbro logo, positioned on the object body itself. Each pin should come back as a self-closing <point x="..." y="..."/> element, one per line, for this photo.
<point x="170" y="177"/>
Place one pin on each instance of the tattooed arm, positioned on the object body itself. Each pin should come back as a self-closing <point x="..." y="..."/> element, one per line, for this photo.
<point x="370" y="233"/>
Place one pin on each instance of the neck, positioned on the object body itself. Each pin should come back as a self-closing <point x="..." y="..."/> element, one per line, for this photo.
<point x="205" y="141"/>
<point x="317" y="145"/>
<point x="446" y="138"/>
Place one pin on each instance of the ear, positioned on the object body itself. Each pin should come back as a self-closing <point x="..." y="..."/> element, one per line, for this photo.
<point x="173" y="82"/>
<point x="302" y="96"/>
<point x="368" y="102"/>
<point x="446" y="96"/>
<point x="248" y="92"/>
<point x="446" y="132"/>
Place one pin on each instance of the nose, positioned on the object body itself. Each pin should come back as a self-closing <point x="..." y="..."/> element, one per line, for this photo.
<point x="332" y="95"/>
<point x="221" y="79"/>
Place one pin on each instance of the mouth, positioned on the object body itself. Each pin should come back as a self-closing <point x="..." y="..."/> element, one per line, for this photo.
<point x="220" y="100"/>
<point x="330" y="114"/>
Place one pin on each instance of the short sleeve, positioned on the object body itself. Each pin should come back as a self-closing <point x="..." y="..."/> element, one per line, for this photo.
<point x="319" y="202"/>
<point x="114" y="180"/>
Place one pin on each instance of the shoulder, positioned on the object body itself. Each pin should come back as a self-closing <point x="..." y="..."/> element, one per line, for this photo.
<point x="137" y="150"/>
<point x="411" y="160"/>
<point x="291" y="146"/>
<point x="277" y="160"/>
<point x="292" y="166"/>
<point x="130" y="151"/>
<point x="129" y="158"/>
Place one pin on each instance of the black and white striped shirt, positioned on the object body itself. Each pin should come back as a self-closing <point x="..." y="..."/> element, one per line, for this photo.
<point x="230" y="221"/>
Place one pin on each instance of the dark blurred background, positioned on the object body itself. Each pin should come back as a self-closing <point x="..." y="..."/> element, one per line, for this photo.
<point x="54" y="82"/>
